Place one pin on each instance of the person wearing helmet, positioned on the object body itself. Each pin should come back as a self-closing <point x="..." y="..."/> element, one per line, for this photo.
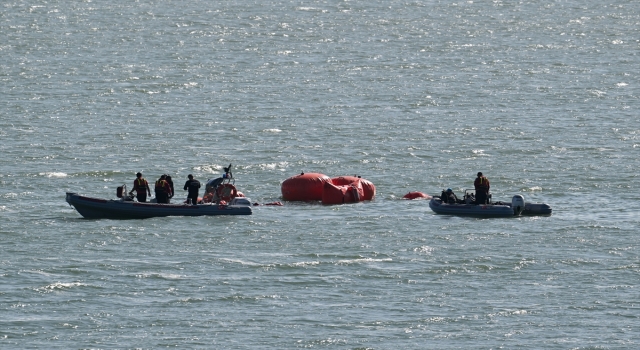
<point x="482" y="189"/>
<point x="449" y="197"/>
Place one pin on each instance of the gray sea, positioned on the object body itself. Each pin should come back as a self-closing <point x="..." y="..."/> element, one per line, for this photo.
<point x="541" y="96"/>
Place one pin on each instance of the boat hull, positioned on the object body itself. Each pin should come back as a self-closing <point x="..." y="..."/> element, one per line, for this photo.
<point x="487" y="211"/>
<point x="97" y="208"/>
<point x="491" y="210"/>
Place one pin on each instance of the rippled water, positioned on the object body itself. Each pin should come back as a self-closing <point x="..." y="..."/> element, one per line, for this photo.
<point x="412" y="95"/>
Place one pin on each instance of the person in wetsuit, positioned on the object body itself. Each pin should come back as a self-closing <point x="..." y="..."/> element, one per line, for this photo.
<point x="193" y="186"/>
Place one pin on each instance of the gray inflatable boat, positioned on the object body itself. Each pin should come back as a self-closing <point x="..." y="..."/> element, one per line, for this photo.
<point x="466" y="207"/>
<point x="97" y="208"/>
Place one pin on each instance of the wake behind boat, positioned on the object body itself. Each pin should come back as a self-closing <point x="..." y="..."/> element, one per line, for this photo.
<point x="465" y="207"/>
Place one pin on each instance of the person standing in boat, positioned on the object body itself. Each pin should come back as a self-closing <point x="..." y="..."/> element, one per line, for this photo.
<point x="170" y="182"/>
<point x="193" y="186"/>
<point x="163" y="190"/>
<point x="482" y="189"/>
<point x="141" y="186"/>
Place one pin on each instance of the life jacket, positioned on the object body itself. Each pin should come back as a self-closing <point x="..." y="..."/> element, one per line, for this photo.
<point x="160" y="185"/>
<point x="482" y="183"/>
<point x="141" y="184"/>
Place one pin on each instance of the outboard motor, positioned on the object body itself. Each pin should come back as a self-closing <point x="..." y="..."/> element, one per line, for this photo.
<point x="517" y="204"/>
<point x="121" y="190"/>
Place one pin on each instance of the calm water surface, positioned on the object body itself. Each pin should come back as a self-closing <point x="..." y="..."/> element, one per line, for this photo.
<point x="541" y="96"/>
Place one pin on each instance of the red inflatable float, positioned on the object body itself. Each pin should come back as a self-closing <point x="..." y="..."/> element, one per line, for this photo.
<point x="350" y="193"/>
<point x="319" y="187"/>
<point x="367" y="186"/>
<point x="304" y="187"/>
<point x="416" y="195"/>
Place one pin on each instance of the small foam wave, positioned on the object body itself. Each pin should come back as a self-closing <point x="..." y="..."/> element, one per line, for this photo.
<point x="305" y="263"/>
<point x="509" y="313"/>
<point x="53" y="174"/>
<point x="425" y="249"/>
<point x="212" y="168"/>
<point x="272" y="130"/>
<point x="166" y="276"/>
<point x="59" y="286"/>
<point x="268" y="166"/>
<point x="245" y="263"/>
<point x="273" y="166"/>
<point x="311" y="9"/>
<point x="191" y="300"/>
<point x="362" y="260"/>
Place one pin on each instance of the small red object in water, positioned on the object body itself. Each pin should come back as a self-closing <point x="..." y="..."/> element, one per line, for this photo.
<point x="416" y="195"/>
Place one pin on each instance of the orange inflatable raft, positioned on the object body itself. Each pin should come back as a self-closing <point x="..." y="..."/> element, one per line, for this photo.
<point x="319" y="187"/>
<point x="368" y="187"/>
<point x="350" y="193"/>
<point x="304" y="187"/>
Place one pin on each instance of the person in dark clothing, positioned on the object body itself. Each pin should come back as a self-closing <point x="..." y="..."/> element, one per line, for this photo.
<point x="170" y="182"/>
<point x="193" y="186"/>
<point x="450" y="197"/>
<point x="163" y="190"/>
<point x="141" y="186"/>
<point x="159" y="189"/>
<point x="482" y="187"/>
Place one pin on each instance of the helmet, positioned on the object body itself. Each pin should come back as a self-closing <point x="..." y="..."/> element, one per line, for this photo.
<point x="449" y="190"/>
